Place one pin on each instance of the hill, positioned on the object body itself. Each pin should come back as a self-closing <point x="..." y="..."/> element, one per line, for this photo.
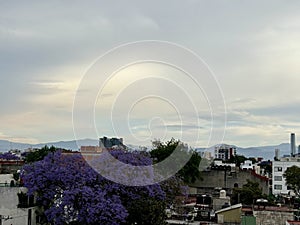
<point x="267" y="152"/>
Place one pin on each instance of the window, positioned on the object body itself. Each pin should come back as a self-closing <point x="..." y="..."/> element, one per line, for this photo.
<point x="25" y="201"/>
<point x="277" y="169"/>
<point x="29" y="217"/>
<point x="277" y="187"/>
<point x="278" y="178"/>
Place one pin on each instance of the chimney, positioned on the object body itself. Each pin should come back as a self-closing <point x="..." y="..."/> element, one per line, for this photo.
<point x="277" y="153"/>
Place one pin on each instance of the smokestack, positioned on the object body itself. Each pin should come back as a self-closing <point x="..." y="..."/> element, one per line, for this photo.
<point x="293" y="145"/>
<point x="276" y="154"/>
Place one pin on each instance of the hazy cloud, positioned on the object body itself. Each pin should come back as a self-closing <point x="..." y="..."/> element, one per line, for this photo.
<point x="252" y="47"/>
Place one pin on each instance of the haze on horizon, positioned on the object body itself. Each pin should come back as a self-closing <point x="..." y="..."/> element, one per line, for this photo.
<point x="252" y="47"/>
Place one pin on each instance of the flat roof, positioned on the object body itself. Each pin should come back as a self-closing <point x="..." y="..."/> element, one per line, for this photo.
<point x="229" y="208"/>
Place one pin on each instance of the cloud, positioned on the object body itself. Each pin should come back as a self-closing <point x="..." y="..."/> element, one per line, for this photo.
<point x="45" y="49"/>
<point x="18" y="139"/>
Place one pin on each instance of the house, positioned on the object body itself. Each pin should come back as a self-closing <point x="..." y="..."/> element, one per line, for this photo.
<point x="247" y="165"/>
<point x="230" y="214"/>
<point x="17" y="208"/>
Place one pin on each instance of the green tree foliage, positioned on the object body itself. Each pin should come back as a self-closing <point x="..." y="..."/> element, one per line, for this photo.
<point x="247" y="194"/>
<point x="292" y="178"/>
<point x="267" y="167"/>
<point x="39" y="154"/>
<point x="147" y="211"/>
<point x="237" y="159"/>
<point x="16" y="176"/>
<point x="190" y="172"/>
<point x="253" y="160"/>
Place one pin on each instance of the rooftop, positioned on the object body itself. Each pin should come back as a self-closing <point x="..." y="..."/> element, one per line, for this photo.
<point x="229" y="208"/>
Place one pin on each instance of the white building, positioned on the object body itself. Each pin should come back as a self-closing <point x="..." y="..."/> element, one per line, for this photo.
<point x="220" y="163"/>
<point x="247" y="165"/>
<point x="278" y="168"/>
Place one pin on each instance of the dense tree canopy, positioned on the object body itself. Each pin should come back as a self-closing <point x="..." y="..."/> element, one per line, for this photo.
<point x="237" y="159"/>
<point x="292" y="178"/>
<point x="190" y="172"/>
<point x="72" y="192"/>
<point x="247" y="194"/>
<point x="38" y="154"/>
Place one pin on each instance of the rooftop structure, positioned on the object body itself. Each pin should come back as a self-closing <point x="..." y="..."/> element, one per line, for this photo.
<point x="106" y="142"/>
<point x="247" y="165"/>
<point x="90" y="149"/>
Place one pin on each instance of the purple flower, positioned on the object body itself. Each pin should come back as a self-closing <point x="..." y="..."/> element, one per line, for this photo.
<point x="70" y="190"/>
<point x="8" y="156"/>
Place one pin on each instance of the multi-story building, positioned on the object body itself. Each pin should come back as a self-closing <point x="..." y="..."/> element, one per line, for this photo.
<point x="225" y="152"/>
<point x="106" y="142"/>
<point x="279" y="186"/>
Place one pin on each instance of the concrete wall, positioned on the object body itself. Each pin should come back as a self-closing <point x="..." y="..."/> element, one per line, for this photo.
<point x="8" y="208"/>
<point x="272" y="217"/>
<point x="215" y="178"/>
<point x="219" y="202"/>
<point x="230" y="216"/>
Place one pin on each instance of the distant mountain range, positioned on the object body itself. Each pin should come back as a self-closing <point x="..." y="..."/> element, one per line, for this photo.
<point x="267" y="152"/>
<point x="71" y="145"/>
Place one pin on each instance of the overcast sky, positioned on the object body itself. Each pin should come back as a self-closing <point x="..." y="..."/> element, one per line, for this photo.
<point x="252" y="47"/>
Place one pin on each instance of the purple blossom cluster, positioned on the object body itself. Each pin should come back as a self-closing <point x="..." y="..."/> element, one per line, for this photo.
<point x="72" y="191"/>
<point x="127" y="168"/>
<point x="8" y="156"/>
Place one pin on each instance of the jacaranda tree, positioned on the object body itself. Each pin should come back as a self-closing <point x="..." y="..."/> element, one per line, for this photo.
<point x="8" y="156"/>
<point x="72" y="192"/>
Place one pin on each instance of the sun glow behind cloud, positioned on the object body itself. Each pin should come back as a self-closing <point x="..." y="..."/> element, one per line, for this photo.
<point x="151" y="100"/>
